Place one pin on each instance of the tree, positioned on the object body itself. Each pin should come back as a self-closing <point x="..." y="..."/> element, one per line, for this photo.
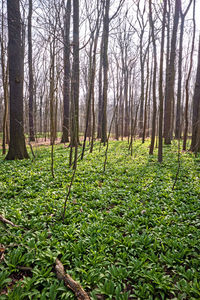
<point x="105" y="72"/>
<point x="148" y="79"/>
<point x="75" y="78"/>
<point x="160" y="133"/>
<point x="17" y="147"/>
<point x="195" y="145"/>
<point x="180" y="60"/>
<point x="143" y="54"/>
<point x="100" y="92"/>
<point x="91" y="81"/>
<point x="153" y="132"/>
<point x="30" y="59"/>
<point x="188" y="80"/>
<point x="67" y="75"/>
<point x="4" y="69"/>
<point x="169" y="97"/>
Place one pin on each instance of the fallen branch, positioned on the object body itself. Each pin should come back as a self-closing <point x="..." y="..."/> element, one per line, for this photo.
<point x="69" y="282"/>
<point x="2" y="219"/>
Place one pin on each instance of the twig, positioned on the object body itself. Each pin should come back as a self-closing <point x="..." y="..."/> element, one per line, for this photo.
<point x="69" y="282"/>
<point x="179" y="165"/>
<point x="32" y="150"/>
<point x="69" y="191"/>
<point x="2" y="219"/>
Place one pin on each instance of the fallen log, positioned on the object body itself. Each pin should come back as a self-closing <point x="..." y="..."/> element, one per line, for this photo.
<point x="70" y="282"/>
<point x="2" y="219"/>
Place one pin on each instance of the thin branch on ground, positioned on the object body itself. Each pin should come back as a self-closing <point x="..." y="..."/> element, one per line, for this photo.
<point x="5" y="221"/>
<point x="70" y="282"/>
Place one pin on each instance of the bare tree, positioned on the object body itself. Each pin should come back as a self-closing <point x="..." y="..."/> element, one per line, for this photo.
<point x="17" y="147"/>
<point x="67" y="75"/>
<point x="30" y="58"/>
<point x="105" y="71"/>
<point x="169" y="97"/>
<point x="153" y="132"/>
<point x="195" y="145"/>
<point x="160" y="144"/>
<point x="188" y="80"/>
<point x="75" y="78"/>
<point x="91" y="80"/>
<point x="180" y="60"/>
<point x="4" y="69"/>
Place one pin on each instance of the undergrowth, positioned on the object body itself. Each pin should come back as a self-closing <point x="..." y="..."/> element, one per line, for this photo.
<point x="126" y="234"/>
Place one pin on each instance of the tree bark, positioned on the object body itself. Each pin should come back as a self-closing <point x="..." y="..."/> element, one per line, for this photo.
<point x="160" y="129"/>
<point x="171" y="78"/>
<point x="141" y="115"/>
<point x="17" y="147"/>
<point x="4" y="69"/>
<point x="105" y="72"/>
<point x="67" y="75"/>
<point x="90" y="97"/>
<point x="30" y="64"/>
<point x="69" y="282"/>
<point x="178" y="106"/>
<point x="75" y="77"/>
<point x="145" y="103"/>
<point x="187" y="81"/>
<point x="100" y="92"/>
<point x="196" y="109"/>
<point x="153" y="132"/>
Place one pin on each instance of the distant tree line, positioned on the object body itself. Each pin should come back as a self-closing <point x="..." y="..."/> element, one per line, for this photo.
<point x="74" y="67"/>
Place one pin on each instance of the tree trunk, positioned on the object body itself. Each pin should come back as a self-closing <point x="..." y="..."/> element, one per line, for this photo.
<point x="117" y="109"/>
<point x="160" y="129"/>
<point x="67" y="75"/>
<point x="75" y="77"/>
<point x="187" y="81"/>
<point x="145" y="104"/>
<point x="51" y="91"/>
<point x="153" y="132"/>
<point x="171" y="78"/>
<point x="93" y="123"/>
<point x="17" y="147"/>
<point x="30" y="64"/>
<point x="141" y="116"/>
<point x="5" y="116"/>
<point x="100" y="92"/>
<point x="41" y="115"/>
<point x="126" y="124"/>
<point x="178" y="106"/>
<point x="121" y="119"/>
<point x="105" y="72"/>
<point x="90" y="101"/>
<point x="4" y="70"/>
<point x="196" y="109"/>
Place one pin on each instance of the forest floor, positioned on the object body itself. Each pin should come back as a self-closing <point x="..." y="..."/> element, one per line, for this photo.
<point x="126" y="234"/>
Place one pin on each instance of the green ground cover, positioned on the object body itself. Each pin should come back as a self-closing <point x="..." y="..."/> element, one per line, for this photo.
<point x="126" y="234"/>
